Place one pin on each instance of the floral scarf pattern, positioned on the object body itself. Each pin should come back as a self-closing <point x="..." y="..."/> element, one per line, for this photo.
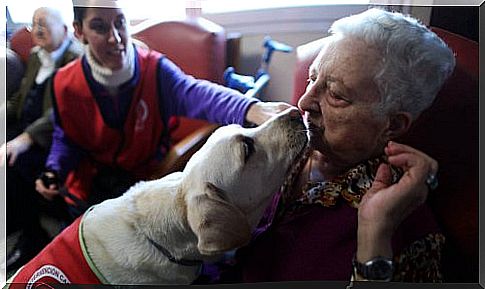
<point x="351" y="186"/>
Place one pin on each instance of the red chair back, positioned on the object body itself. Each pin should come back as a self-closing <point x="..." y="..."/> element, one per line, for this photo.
<point x="196" y="45"/>
<point x="21" y="43"/>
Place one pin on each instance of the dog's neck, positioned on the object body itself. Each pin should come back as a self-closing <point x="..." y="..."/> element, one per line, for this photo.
<point x="166" y="252"/>
<point x="119" y="244"/>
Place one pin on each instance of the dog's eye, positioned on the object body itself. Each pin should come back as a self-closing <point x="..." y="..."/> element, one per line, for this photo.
<point x="248" y="145"/>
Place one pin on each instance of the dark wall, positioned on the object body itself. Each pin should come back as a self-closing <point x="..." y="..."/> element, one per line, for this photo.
<point x="459" y="20"/>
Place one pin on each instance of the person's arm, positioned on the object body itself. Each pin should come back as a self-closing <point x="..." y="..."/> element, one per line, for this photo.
<point x="15" y="101"/>
<point x="22" y="142"/>
<point x="63" y="157"/>
<point x="12" y="149"/>
<point x="184" y="95"/>
<point x="40" y="131"/>
<point x="386" y="205"/>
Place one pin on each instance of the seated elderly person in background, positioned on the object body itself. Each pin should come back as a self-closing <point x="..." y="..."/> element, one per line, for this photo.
<point x="113" y="108"/>
<point x="355" y="208"/>
<point x="29" y="130"/>
<point x="15" y="68"/>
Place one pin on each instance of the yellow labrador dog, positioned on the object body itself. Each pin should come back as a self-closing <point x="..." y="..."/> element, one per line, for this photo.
<point x="160" y="232"/>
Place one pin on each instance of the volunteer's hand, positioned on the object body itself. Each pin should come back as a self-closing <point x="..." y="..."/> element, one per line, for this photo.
<point x="262" y="111"/>
<point x="47" y="185"/>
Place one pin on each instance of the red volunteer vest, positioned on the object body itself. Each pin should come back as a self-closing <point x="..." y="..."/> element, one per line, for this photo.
<point x="62" y="261"/>
<point x="131" y="148"/>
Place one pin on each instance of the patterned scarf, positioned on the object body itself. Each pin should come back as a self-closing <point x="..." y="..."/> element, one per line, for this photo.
<point x="350" y="186"/>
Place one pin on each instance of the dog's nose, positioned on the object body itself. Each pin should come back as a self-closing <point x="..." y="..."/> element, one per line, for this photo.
<point x="294" y="114"/>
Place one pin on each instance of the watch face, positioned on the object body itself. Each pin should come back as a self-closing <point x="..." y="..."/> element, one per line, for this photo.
<point x="379" y="269"/>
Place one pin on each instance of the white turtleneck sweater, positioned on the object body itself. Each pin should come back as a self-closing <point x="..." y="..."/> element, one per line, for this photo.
<point x="109" y="78"/>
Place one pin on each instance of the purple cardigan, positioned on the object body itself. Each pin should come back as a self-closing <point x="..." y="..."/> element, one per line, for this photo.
<point x="180" y="95"/>
<point x="312" y="243"/>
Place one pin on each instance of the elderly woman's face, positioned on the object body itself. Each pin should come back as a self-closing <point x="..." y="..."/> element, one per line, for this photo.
<point x="105" y="31"/>
<point x="340" y="103"/>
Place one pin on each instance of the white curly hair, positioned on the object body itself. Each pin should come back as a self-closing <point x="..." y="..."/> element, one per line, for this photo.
<point x="415" y="62"/>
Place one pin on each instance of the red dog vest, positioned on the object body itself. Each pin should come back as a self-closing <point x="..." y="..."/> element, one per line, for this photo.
<point x="63" y="261"/>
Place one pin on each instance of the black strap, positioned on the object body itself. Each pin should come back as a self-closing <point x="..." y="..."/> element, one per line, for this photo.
<point x="81" y="205"/>
<point x="183" y="262"/>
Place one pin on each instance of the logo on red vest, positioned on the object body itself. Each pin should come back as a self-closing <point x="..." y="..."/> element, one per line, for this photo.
<point x="141" y="115"/>
<point x="47" y="274"/>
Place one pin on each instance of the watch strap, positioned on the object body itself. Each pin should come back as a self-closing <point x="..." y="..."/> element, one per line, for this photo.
<point x="377" y="269"/>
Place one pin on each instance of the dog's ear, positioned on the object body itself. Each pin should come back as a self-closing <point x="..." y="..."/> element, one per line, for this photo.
<point x="219" y="225"/>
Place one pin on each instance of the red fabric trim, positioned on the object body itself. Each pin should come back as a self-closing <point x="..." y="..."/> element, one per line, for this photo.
<point x="62" y="261"/>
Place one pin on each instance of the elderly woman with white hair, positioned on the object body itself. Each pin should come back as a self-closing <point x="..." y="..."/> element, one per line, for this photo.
<point x="356" y="206"/>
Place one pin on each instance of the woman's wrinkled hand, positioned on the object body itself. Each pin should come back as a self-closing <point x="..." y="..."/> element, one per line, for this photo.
<point x="392" y="203"/>
<point x="262" y="111"/>
<point x="12" y="149"/>
<point x="386" y="205"/>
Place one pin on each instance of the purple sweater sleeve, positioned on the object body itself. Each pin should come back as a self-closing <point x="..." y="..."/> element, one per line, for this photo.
<point x="183" y="95"/>
<point x="64" y="155"/>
